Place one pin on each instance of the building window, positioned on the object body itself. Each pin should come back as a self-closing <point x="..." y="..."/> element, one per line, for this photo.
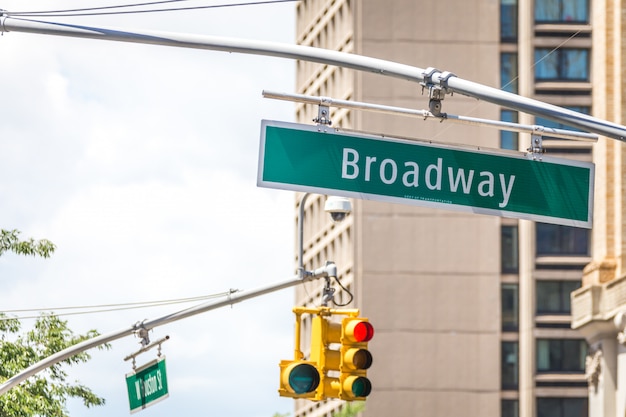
<point x="553" y="297"/>
<point x="509" y="408"/>
<point x="557" y="240"/>
<point x="565" y="64"/>
<point x="510" y="307"/>
<point x="561" y="355"/>
<point x="509" y="365"/>
<point x="508" y="20"/>
<point x="509" y="251"/>
<point x="508" y="72"/>
<point x="562" y="407"/>
<point x="561" y="11"/>
<point x="508" y="139"/>
<point x="556" y="125"/>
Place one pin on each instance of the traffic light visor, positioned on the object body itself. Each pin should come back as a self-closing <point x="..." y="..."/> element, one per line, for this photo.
<point x="360" y="331"/>
<point x="302" y="378"/>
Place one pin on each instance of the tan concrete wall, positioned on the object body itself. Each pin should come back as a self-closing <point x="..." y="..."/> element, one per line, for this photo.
<point x="430" y="279"/>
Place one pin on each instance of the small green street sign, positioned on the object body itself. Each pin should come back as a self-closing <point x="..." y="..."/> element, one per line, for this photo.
<point x="147" y="385"/>
<point x="325" y="160"/>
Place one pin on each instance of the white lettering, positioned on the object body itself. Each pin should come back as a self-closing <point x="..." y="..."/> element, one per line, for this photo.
<point x="369" y="160"/>
<point x="150" y="385"/>
<point x="459" y="179"/>
<point x="346" y="163"/>
<point x="506" y="191"/>
<point x="486" y="183"/>
<point x="138" y="389"/>
<point x="466" y="183"/>
<point x="428" y="177"/>
<point x="394" y="171"/>
<point x="414" y="174"/>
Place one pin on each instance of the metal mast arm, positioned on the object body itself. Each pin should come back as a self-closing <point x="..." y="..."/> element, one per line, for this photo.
<point x="446" y="81"/>
<point x="323" y="272"/>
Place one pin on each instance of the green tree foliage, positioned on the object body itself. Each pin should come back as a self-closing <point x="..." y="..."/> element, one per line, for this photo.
<point x="10" y="242"/>
<point x="46" y="393"/>
<point x="350" y="409"/>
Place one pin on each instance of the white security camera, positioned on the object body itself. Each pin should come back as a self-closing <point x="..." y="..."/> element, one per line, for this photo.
<point x="338" y="208"/>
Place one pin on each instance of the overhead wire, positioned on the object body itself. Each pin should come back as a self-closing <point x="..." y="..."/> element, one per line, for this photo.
<point x="94" y="11"/>
<point x="516" y="78"/>
<point x="106" y="308"/>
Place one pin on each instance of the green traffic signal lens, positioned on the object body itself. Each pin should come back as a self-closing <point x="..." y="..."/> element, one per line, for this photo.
<point x="361" y="387"/>
<point x="304" y="378"/>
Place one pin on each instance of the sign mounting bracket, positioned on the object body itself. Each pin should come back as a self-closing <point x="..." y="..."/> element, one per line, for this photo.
<point x="536" y="148"/>
<point x="323" y="112"/>
<point x="325" y="102"/>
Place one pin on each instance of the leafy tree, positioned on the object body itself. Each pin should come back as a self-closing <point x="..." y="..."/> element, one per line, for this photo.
<point x="44" y="394"/>
<point x="10" y="242"/>
<point x="350" y="409"/>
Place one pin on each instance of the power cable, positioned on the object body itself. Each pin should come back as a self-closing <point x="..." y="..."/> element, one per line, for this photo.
<point x="105" y="308"/>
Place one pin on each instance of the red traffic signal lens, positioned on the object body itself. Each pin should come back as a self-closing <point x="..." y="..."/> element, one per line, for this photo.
<point x="363" y="331"/>
<point x="303" y="378"/>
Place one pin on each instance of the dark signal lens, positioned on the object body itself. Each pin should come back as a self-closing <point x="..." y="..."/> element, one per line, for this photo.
<point x="361" y="387"/>
<point x="304" y="378"/>
<point x="362" y="359"/>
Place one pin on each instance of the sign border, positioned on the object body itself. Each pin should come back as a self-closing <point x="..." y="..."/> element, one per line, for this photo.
<point x="423" y="203"/>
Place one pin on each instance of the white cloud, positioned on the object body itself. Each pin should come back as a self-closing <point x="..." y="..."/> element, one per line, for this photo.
<point x="140" y="162"/>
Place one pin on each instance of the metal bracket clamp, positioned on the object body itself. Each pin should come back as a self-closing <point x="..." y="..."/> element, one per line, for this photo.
<point x="436" y="93"/>
<point x="3" y="16"/>
<point x="142" y="333"/>
<point x="146" y="348"/>
<point x="323" y="112"/>
<point x="536" y="148"/>
<point x="328" y="293"/>
<point x="443" y="81"/>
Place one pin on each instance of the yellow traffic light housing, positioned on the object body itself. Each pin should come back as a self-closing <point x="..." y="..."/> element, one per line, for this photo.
<point x="356" y="332"/>
<point x="298" y="379"/>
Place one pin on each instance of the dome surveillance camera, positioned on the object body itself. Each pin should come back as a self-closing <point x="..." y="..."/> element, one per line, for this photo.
<point x="338" y="208"/>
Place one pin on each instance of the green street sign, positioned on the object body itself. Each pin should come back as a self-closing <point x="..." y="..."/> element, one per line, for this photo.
<point x="325" y="160"/>
<point x="147" y="385"/>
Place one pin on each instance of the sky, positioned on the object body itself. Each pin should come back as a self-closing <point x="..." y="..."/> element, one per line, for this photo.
<point x="139" y="162"/>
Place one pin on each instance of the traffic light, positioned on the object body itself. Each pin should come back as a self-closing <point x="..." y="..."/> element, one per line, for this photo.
<point x="338" y="360"/>
<point x="340" y="351"/>
<point x="355" y="358"/>
<point x="298" y="379"/>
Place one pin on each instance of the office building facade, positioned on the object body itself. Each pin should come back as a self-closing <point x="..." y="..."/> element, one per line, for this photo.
<point x="472" y="313"/>
<point x="599" y="307"/>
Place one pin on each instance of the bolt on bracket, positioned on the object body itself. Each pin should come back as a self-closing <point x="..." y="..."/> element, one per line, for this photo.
<point x="323" y="112"/>
<point x="436" y="92"/>
<point x="536" y="148"/>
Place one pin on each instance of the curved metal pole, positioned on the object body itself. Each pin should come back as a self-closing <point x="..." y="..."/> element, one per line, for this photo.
<point x="448" y="81"/>
<point x="301" y="235"/>
<point x="323" y="272"/>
